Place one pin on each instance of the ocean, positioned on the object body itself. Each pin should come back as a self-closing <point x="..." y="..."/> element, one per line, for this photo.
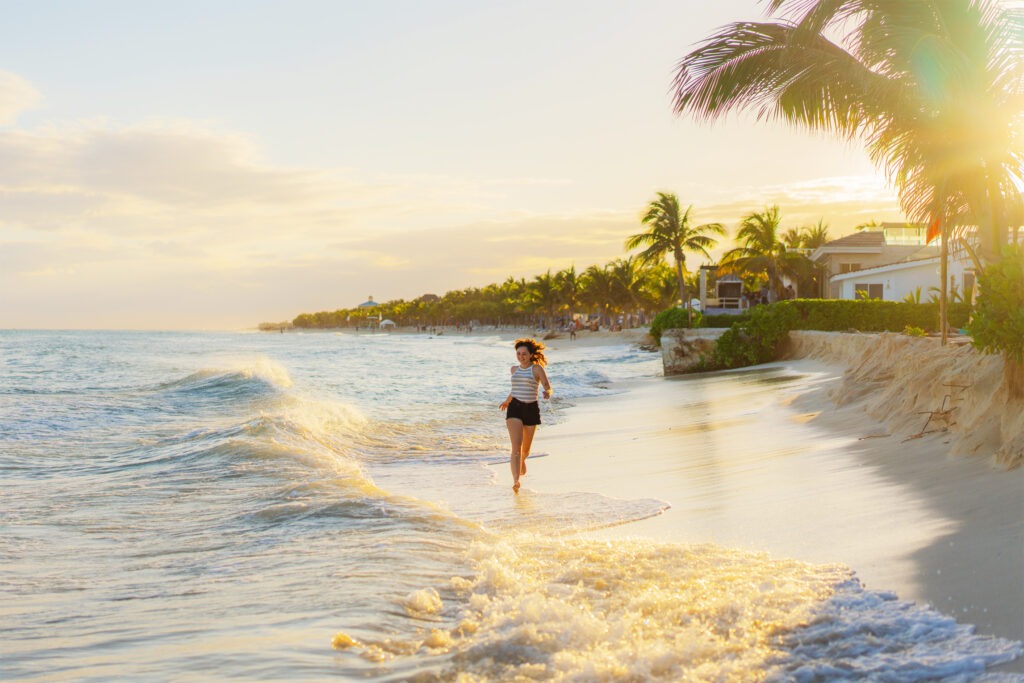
<point x="325" y="506"/>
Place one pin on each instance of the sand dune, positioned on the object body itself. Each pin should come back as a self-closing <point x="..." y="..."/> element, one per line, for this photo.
<point x="914" y="384"/>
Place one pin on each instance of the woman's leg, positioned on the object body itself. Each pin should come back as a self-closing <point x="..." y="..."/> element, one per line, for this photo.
<point x="515" y="435"/>
<point x="524" y="450"/>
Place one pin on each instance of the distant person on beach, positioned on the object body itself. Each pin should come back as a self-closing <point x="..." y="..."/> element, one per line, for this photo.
<point x="522" y="412"/>
<point x="572" y="331"/>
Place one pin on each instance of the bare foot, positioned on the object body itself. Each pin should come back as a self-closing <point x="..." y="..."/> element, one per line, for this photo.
<point x="522" y="467"/>
<point x="515" y="487"/>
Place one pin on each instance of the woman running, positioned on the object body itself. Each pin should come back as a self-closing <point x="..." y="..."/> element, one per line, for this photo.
<point x="522" y="413"/>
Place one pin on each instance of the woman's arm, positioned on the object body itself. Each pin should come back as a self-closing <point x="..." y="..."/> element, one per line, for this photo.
<point x="541" y="376"/>
<point x="508" y="399"/>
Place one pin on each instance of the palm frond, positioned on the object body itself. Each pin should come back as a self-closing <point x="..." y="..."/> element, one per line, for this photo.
<point x="935" y="89"/>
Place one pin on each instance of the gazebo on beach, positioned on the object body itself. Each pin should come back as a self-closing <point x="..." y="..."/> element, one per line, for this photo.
<point x="368" y="306"/>
<point x="729" y="291"/>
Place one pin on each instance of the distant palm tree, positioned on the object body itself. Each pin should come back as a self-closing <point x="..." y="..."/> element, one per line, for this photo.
<point x="543" y="292"/>
<point x="761" y="251"/>
<point x="513" y="295"/>
<point x="816" y="235"/>
<point x="570" y="286"/>
<point x="932" y="88"/>
<point x="870" y="225"/>
<point x="670" y="232"/>
<point x="793" y="238"/>
<point x="627" y="276"/>
<point x="598" y="289"/>
<point x="814" y="277"/>
<point x="660" y="287"/>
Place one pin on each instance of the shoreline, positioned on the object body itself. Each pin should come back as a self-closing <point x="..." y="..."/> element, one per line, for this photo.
<point x="551" y="338"/>
<point x="829" y="483"/>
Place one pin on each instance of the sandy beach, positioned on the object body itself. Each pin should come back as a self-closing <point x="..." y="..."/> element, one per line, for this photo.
<point x="814" y="473"/>
<point x="344" y="503"/>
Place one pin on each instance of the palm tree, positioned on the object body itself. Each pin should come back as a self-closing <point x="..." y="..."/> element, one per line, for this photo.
<point x="793" y="238"/>
<point x="513" y="294"/>
<point x="761" y="251"/>
<point x="628" y="280"/>
<point x="598" y="290"/>
<point x="815" y="236"/>
<point x="815" y="274"/>
<point x="570" y="286"/>
<point x="660" y="289"/>
<point x="671" y="233"/>
<point x="932" y="88"/>
<point x="544" y="293"/>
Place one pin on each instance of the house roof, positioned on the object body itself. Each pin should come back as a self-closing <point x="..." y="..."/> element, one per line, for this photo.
<point x="866" y="242"/>
<point x="866" y="238"/>
<point x="888" y="268"/>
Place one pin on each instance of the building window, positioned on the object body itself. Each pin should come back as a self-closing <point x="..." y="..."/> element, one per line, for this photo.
<point x="848" y="267"/>
<point x="866" y="291"/>
<point x="968" y="285"/>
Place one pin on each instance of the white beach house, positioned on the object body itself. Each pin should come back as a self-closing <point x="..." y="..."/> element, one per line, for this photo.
<point x="888" y="263"/>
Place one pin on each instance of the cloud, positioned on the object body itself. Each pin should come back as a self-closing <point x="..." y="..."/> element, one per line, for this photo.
<point x="16" y="96"/>
<point x="155" y="166"/>
<point x="171" y="224"/>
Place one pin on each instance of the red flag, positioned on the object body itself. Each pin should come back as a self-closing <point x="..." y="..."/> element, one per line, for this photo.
<point x="933" y="231"/>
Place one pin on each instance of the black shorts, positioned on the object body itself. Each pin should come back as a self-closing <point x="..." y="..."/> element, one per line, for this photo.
<point x="527" y="413"/>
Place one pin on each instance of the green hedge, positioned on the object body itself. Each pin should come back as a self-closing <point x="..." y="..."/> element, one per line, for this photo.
<point x="755" y="340"/>
<point x="837" y="315"/>
<point x="756" y="336"/>
<point x="671" y="319"/>
<point x="724" y="319"/>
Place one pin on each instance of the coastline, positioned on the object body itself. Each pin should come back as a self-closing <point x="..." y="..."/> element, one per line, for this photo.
<point x="584" y="338"/>
<point x="817" y="480"/>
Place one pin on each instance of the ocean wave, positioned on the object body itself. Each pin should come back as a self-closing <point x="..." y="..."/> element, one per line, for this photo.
<point x="256" y="378"/>
<point x="576" y="609"/>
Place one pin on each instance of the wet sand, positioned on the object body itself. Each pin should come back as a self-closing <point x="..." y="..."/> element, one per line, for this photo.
<point x="778" y="467"/>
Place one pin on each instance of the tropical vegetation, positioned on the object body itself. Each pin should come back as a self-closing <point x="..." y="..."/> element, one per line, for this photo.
<point x="763" y="255"/>
<point x="998" y="321"/>
<point x="931" y="87"/>
<point x="670" y="233"/>
<point x="634" y="288"/>
<point x="626" y="287"/>
<point x="758" y="337"/>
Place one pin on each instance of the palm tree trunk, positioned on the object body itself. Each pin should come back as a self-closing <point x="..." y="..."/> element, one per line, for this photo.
<point x="680" y="282"/>
<point x="683" y="299"/>
<point x="943" y="269"/>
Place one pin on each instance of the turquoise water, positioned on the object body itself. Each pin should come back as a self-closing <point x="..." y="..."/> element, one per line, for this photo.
<point x="217" y="506"/>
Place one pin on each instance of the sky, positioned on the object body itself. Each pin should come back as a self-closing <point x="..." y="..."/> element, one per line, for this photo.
<point x="217" y="164"/>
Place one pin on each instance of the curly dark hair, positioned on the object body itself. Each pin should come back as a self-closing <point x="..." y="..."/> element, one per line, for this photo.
<point x="536" y="349"/>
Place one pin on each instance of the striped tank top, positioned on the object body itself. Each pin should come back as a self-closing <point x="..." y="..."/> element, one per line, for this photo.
<point x="524" y="386"/>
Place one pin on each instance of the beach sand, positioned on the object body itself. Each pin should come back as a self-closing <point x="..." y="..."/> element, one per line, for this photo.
<point x="798" y="476"/>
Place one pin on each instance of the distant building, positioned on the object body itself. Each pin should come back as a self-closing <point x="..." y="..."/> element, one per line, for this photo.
<point x="887" y="263"/>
